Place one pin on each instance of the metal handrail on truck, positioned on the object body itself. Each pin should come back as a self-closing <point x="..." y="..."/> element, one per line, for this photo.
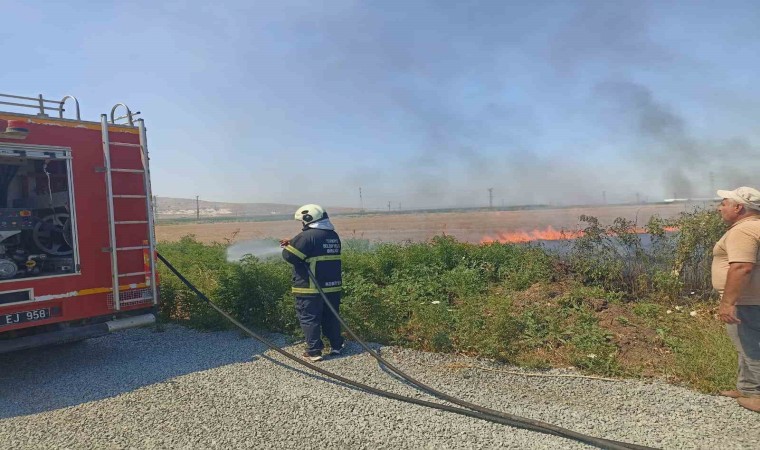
<point x="39" y="103"/>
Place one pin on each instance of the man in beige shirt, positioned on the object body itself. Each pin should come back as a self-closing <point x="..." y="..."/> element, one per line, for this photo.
<point x="736" y="278"/>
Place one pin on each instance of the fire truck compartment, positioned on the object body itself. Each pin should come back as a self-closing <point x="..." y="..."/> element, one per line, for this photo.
<point x="36" y="233"/>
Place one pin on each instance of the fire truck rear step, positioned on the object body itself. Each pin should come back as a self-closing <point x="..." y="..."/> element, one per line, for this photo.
<point x="73" y="334"/>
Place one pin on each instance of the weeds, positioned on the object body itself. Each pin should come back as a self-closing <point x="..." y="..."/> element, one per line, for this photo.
<point x="619" y="258"/>
<point x="515" y="303"/>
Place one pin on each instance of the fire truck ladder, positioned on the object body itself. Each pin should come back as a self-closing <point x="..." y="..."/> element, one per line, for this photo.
<point x="114" y="249"/>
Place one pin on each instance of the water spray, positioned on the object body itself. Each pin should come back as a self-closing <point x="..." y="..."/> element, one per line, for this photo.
<point x="260" y="248"/>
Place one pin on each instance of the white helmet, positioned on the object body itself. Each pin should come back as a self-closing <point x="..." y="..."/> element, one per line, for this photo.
<point x="310" y="213"/>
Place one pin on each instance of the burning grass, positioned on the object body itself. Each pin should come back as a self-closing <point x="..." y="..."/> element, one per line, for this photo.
<point x="469" y="226"/>
<point x="550" y="234"/>
<point x="516" y="237"/>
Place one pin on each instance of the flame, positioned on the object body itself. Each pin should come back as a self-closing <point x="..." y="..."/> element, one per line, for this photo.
<point x="513" y="237"/>
<point x="549" y="234"/>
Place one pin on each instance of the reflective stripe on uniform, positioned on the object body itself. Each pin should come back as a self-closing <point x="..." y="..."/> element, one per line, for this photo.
<point x="295" y="251"/>
<point x="313" y="267"/>
<point x="324" y="258"/>
<point x="309" y="290"/>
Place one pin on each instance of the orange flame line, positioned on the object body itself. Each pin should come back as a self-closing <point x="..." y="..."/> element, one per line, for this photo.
<point x="549" y="234"/>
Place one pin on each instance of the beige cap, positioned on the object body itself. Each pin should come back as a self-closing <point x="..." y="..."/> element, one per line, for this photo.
<point x="744" y="195"/>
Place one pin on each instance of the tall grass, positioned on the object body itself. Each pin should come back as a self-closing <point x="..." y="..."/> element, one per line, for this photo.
<point x="515" y="303"/>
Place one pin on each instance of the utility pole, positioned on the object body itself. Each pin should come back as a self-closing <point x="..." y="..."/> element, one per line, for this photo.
<point x="197" y="209"/>
<point x="361" y="201"/>
<point x="389" y="206"/>
<point x="490" y="198"/>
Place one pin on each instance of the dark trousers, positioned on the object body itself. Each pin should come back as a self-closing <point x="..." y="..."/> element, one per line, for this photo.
<point x="317" y="319"/>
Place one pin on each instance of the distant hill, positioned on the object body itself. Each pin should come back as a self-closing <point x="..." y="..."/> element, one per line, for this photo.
<point x="169" y="207"/>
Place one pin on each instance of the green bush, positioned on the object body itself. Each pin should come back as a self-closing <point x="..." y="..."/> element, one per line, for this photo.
<point x="615" y="257"/>
<point x="490" y="300"/>
<point x="486" y="325"/>
<point x="648" y="310"/>
<point x="369" y="312"/>
<point x="592" y="345"/>
<point x="699" y="230"/>
<point x="429" y="326"/>
<point x="201" y="264"/>
<point x="407" y="293"/>
<point x="668" y="284"/>
<point x="569" y="324"/>
<point x="253" y="292"/>
<point x="519" y="266"/>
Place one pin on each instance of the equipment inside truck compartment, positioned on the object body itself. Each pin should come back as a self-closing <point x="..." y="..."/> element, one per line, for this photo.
<point x="36" y="237"/>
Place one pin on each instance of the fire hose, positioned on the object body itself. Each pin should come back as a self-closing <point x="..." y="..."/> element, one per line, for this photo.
<point x="467" y="408"/>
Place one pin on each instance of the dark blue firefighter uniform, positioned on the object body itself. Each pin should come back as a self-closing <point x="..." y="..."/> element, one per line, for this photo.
<point x="318" y="249"/>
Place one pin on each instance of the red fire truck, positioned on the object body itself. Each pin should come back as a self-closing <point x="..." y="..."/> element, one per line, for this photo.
<point x="77" y="241"/>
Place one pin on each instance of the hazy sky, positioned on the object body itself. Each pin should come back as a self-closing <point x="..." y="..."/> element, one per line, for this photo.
<point x="423" y="103"/>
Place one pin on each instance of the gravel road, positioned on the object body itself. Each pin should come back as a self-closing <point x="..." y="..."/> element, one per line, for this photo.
<point x="186" y="389"/>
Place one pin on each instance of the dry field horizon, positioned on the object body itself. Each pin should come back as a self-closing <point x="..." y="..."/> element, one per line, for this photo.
<point x="464" y="226"/>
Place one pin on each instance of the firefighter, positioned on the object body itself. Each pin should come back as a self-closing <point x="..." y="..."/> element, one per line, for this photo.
<point x="317" y="247"/>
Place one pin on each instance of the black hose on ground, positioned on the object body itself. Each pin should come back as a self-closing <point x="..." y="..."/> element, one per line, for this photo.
<point x="473" y="411"/>
<point x="537" y="424"/>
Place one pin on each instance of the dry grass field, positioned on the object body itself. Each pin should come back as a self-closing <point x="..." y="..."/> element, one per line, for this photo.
<point x="464" y="226"/>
